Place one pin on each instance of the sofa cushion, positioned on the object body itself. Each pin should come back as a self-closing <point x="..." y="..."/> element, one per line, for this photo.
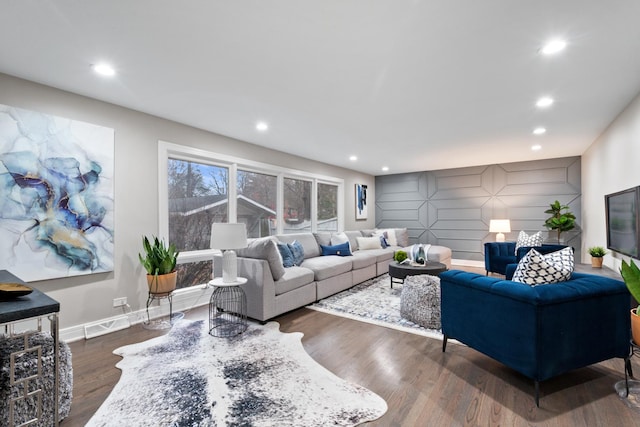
<point x="286" y="254"/>
<point x="528" y="240"/>
<point x="362" y="259"/>
<point x="323" y="238"/>
<point x="264" y="248"/>
<point x="297" y="251"/>
<point x="390" y="234"/>
<point x="536" y="269"/>
<point x="353" y="239"/>
<point x="308" y="241"/>
<point x="341" y="250"/>
<point x="325" y="267"/>
<point x="294" y="278"/>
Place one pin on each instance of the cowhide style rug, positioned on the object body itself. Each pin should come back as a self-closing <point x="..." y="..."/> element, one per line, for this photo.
<point x="260" y="378"/>
<point x="375" y="302"/>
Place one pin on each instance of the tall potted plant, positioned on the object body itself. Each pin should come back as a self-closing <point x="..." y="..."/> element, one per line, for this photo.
<point x="561" y="218"/>
<point x="631" y="276"/>
<point x="159" y="261"/>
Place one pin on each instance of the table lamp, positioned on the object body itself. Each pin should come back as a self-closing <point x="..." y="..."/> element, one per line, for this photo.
<point x="500" y="226"/>
<point x="227" y="237"/>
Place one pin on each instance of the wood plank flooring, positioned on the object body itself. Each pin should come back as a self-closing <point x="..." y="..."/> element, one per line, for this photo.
<point x="422" y="385"/>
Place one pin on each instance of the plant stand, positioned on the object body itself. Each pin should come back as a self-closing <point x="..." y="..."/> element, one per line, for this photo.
<point x="161" y="323"/>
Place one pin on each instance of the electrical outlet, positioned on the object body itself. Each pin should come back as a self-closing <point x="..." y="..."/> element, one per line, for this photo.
<point x="119" y="302"/>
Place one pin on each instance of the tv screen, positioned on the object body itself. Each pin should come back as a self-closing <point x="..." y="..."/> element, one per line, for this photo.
<point x="622" y="221"/>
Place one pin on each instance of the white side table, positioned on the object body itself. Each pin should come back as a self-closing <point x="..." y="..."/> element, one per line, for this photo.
<point x="227" y="308"/>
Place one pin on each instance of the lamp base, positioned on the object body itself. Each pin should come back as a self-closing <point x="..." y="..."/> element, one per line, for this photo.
<point x="229" y="266"/>
<point x="500" y="237"/>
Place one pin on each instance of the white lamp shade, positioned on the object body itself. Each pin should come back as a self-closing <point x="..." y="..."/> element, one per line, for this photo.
<point x="228" y="236"/>
<point x="500" y="226"/>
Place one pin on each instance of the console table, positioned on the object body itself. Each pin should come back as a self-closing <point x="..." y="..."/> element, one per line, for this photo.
<point x="17" y="312"/>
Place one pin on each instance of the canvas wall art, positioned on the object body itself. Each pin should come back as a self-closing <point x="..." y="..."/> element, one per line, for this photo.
<point x="361" y="201"/>
<point x="56" y="206"/>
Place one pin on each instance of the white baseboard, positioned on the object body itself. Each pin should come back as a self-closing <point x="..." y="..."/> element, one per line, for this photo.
<point x="183" y="300"/>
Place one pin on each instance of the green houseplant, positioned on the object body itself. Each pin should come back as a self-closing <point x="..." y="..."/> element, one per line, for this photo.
<point x="597" y="252"/>
<point x="561" y="218"/>
<point x="631" y="276"/>
<point x="400" y="256"/>
<point x="159" y="261"/>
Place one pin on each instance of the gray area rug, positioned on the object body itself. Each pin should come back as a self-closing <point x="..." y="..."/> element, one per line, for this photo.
<point x="260" y="378"/>
<point x="373" y="302"/>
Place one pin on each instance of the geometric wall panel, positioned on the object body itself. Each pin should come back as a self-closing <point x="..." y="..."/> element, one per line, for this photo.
<point x="453" y="207"/>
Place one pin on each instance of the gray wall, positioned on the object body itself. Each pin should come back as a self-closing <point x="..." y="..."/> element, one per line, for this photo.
<point x="453" y="207"/>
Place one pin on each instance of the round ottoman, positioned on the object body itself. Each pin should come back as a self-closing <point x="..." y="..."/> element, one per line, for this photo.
<point x="420" y="300"/>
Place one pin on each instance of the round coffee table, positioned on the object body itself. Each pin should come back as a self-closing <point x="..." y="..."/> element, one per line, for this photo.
<point x="400" y="271"/>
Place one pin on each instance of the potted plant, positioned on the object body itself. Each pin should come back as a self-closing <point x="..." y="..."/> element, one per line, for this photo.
<point x="160" y="262"/>
<point x="631" y="276"/>
<point x="561" y="219"/>
<point x="597" y="252"/>
<point x="400" y="256"/>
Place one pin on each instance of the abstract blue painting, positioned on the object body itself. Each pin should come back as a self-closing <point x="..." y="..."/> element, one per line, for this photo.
<point x="56" y="201"/>
<point x="361" y="201"/>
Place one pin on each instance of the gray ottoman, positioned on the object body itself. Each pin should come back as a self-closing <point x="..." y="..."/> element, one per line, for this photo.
<point x="420" y="300"/>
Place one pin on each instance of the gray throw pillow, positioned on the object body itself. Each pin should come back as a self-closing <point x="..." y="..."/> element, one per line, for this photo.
<point x="265" y="248"/>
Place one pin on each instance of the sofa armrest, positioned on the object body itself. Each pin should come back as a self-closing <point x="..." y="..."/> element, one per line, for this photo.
<point x="260" y="288"/>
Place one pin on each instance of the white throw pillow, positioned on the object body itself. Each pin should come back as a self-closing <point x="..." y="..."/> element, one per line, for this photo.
<point x="369" y="243"/>
<point x="525" y="240"/>
<point x="536" y="269"/>
<point x="391" y="236"/>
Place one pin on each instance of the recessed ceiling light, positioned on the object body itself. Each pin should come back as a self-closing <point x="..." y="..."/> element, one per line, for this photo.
<point x="104" y="69"/>
<point x="536" y="147"/>
<point x="385" y="168"/>
<point x="353" y="158"/>
<point x="553" y="46"/>
<point x="544" y="102"/>
<point x="539" y="131"/>
<point x="262" y="126"/>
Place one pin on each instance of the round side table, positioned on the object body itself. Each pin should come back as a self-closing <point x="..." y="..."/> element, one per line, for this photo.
<point x="227" y="308"/>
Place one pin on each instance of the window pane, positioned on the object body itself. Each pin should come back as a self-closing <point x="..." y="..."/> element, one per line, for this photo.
<point x="257" y="202"/>
<point x="327" y="207"/>
<point x="297" y="205"/>
<point x="197" y="198"/>
<point x="194" y="273"/>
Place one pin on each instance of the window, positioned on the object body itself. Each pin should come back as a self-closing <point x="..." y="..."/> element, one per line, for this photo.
<point x="327" y="207"/>
<point x="198" y="188"/>
<point x="198" y="196"/>
<point x="257" y="197"/>
<point x="296" y="211"/>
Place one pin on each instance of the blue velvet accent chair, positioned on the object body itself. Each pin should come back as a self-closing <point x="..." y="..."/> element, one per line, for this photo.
<point x="539" y="331"/>
<point x="497" y="255"/>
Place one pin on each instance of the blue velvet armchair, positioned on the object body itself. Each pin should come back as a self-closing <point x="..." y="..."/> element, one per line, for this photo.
<point x="497" y="255"/>
<point x="540" y="331"/>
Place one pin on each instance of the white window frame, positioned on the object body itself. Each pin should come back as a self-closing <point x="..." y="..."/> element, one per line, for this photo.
<point x="168" y="150"/>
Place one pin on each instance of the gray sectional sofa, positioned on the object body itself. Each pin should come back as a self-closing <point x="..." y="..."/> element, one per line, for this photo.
<point x="272" y="289"/>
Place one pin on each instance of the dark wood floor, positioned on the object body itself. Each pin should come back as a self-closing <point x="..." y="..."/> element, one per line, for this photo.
<point x="422" y="385"/>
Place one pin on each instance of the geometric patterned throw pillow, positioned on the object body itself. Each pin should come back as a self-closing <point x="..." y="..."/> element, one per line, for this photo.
<point x="535" y="268"/>
<point x="525" y="240"/>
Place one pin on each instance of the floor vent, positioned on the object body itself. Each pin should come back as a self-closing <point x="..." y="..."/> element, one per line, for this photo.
<point x="92" y="330"/>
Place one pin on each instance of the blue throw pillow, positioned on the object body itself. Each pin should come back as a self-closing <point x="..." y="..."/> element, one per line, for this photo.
<point x="287" y="255"/>
<point x="342" y="249"/>
<point x="298" y="252"/>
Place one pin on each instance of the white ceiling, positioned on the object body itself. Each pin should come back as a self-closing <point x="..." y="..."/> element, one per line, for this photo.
<point x="413" y="85"/>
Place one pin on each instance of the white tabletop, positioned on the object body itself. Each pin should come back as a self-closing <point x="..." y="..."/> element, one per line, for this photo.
<point x="220" y="283"/>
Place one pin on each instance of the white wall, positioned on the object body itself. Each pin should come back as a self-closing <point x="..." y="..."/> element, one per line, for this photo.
<point x="89" y="298"/>
<point x="611" y="164"/>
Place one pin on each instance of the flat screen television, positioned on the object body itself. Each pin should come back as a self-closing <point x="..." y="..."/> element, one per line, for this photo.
<point x="622" y="221"/>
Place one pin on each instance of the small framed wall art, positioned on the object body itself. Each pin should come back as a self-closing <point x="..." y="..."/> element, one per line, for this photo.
<point x="361" y="201"/>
